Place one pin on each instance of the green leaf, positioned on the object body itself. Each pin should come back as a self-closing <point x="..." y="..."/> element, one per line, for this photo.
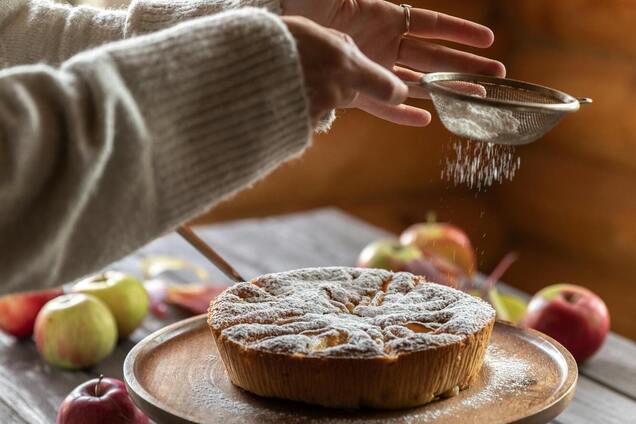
<point x="509" y="308"/>
<point x="516" y="308"/>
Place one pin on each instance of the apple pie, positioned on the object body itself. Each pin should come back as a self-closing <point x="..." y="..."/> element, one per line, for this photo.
<point x="350" y="337"/>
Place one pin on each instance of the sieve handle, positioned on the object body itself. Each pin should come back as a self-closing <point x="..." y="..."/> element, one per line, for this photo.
<point x="581" y="100"/>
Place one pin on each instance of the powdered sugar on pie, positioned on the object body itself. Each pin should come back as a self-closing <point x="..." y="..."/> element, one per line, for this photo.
<point x="345" y="312"/>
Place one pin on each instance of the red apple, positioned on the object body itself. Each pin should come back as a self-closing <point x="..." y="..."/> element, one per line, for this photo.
<point x="572" y="315"/>
<point x="437" y="270"/>
<point x="444" y="240"/>
<point x="100" y="401"/>
<point x="18" y="311"/>
<point x="388" y="254"/>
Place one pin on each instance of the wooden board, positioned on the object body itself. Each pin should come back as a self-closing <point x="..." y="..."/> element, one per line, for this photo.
<point x="176" y="376"/>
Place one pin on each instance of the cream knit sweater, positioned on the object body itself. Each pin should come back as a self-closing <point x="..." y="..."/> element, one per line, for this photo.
<point x="105" y="150"/>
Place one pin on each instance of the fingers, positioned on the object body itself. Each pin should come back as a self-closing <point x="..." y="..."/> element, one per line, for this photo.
<point x="336" y="73"/>
<point x="415" y="92"/>
<point x="429" y="57"/>
<point x="435" y="25"/>
<point x="378" y="82"/>
<point x="398" y="114"/>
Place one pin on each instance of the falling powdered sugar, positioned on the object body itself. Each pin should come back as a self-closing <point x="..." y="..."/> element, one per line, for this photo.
<point x="479" y="165"/>
<point x="482" y="155"/>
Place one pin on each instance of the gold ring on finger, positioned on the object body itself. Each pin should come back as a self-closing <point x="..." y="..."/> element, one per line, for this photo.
<point x="407" y="17"/>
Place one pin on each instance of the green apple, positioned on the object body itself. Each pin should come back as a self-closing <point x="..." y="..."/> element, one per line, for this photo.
<point x="124" y="295"/>
<point x="388" y="254"/>
<point x="75" y="331"/>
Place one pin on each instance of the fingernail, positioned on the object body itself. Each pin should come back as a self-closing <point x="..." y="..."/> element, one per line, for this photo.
<point x="490" y="38"/>
<point x="502" y="70"/>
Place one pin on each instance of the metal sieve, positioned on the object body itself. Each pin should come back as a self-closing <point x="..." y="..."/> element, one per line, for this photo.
<point x="497" y="110"/>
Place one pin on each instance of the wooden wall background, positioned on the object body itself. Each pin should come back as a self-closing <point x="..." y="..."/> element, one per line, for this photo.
<point x="571" y="210"/>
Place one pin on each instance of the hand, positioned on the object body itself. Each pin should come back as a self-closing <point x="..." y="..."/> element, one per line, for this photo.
<point x="336" y="73"/>
<point x="377" y="26"/>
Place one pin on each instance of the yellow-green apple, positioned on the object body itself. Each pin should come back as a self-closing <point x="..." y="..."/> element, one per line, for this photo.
<point x="75" y="331"/>
<point x="388" y="254"/>
<point x="100" y="401"/>
<point x="391" y="255"/>
<point x="573" y="315"/>
<point x="19" y="310"/>
<point x="124" y="295"/>
<point x="444" y="240"/>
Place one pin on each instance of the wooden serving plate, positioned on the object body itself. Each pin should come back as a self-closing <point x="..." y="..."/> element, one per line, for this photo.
<point x="175" y="376"/>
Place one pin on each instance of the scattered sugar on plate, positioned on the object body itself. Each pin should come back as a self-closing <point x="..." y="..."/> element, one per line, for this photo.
<point x="506" y="375"/>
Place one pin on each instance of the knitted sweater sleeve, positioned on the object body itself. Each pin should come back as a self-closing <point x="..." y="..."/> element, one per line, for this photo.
<point x="41" y="31"/>
<point x="124" y="142"/>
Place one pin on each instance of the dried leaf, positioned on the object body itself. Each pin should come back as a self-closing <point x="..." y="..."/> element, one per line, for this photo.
<point x="157" y="293"/>
<point x="195" y="298"/>
<point x="153" y="266"/>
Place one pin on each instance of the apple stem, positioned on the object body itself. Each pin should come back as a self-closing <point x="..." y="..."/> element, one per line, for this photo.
<point x="99" y="381"/>
<point x="431" y="217"/>
<point x="571" y="297"/>
<point x="500" y="270"/>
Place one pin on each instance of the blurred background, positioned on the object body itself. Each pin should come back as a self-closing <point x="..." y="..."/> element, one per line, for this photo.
<point x="570" y="212"/>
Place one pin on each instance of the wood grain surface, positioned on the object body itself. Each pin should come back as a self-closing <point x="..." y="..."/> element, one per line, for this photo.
<point x="30" y="391"/>
<point x="177" y="377"/>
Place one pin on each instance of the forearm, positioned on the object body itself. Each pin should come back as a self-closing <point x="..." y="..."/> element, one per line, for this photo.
<point x="125" y="142"/>
<point x="147" y="16"/>
<point x="40" y="31"/>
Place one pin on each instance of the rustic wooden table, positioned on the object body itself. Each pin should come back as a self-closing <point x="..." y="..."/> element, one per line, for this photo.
<point x="30" y="390"/>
